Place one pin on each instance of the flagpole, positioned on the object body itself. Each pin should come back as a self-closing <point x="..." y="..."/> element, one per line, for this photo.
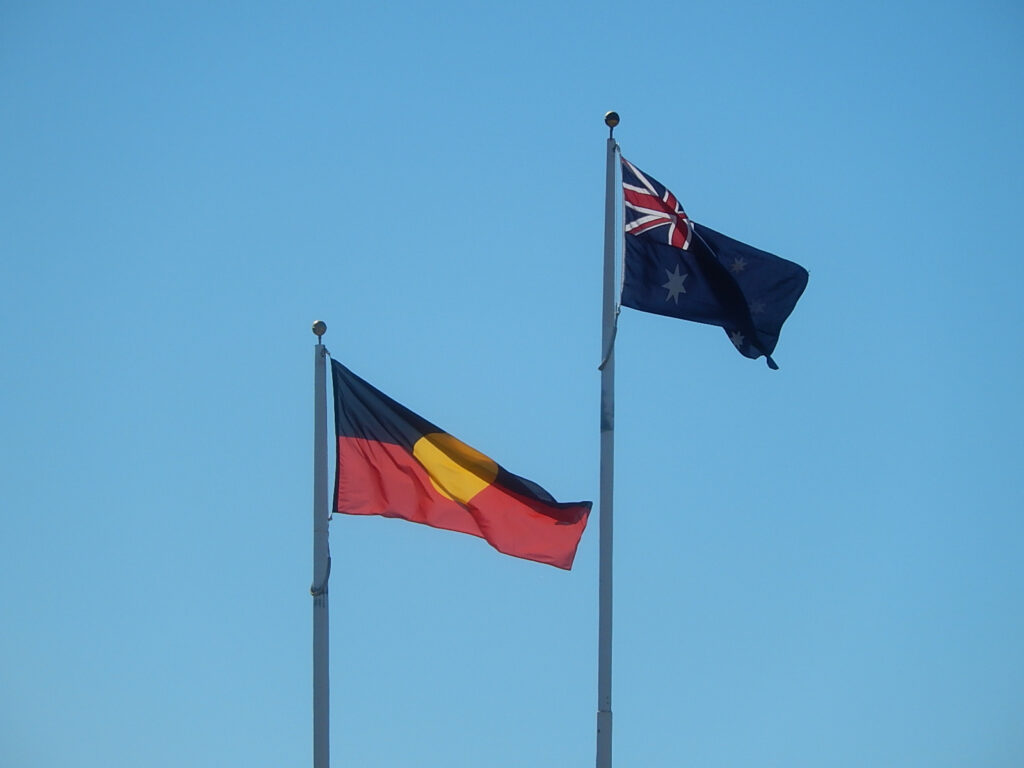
<point x="321" y="557"/>
<point x="604" y="632"/>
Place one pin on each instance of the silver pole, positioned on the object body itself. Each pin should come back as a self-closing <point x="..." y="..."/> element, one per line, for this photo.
<point x="604" y="637"/>
<point x="321" y="558"/>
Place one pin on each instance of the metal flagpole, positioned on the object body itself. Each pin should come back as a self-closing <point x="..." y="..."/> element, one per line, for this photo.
<point x="321" y="557"/>
<point x="604" y="637"/>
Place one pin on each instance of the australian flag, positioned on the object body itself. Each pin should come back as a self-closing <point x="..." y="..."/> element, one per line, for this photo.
<point x="679" y="268"/>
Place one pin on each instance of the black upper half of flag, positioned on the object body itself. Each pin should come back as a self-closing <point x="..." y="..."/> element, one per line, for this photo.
<point x="676" y="267"/>
<point x="363" y="411"/>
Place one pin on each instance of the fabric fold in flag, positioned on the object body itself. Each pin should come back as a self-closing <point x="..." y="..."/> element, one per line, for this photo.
<point x="676" y="267"/>
<point x="393" y="462"/>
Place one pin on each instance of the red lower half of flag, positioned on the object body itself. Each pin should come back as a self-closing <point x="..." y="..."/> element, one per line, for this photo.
<point x="377" y="478"/>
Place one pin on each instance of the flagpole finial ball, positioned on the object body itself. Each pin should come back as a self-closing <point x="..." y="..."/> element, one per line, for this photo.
<point x="319" y="328"/>
<point x="611" y="119"/>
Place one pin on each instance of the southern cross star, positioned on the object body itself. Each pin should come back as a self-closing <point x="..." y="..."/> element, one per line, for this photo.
<point x="738" y="265"/>
<point x="736" y="338"/>
<point x="675" y="284"/>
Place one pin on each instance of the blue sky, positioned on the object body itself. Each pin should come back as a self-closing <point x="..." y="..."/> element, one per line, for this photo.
<point x="819" y="566"/>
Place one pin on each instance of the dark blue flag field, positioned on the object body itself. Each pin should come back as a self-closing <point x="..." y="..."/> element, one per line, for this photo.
<point x="679" y="268"/>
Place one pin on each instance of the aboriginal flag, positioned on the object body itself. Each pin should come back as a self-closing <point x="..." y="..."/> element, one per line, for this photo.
<point x="394" y="463"/>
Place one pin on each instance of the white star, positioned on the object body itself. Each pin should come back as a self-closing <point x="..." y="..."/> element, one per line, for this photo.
<point x="756" y="307"/>
<point x="675" y="284"/>
<point x="736" y="338"/>
<point x="738" y="265"/>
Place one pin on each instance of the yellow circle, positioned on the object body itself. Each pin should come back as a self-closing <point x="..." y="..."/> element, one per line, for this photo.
<point x="455" y="470"/>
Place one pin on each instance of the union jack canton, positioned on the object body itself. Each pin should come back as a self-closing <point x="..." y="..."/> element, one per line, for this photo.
<point x="648" y="205"/>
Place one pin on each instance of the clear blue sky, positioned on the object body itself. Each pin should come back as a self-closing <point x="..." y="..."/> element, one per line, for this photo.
<point x="820" y="566"/>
